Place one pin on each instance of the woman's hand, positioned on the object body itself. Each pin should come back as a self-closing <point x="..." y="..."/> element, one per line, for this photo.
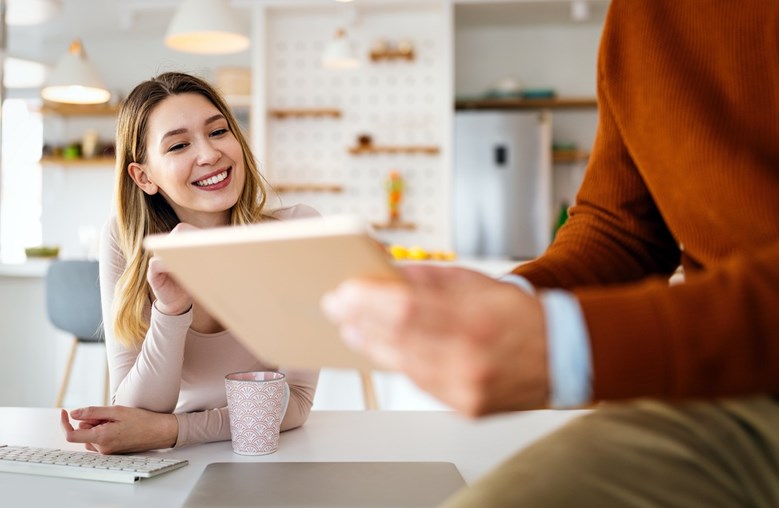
<point x="171" y="298"/>
<point x="120" y="429"/>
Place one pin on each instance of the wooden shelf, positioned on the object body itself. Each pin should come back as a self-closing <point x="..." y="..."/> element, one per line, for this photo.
<point x="400" y="225"/>
<point x="94" y="161"/>
<point x="569" y="156"/>
<point x="307" y="187"/>
<point x="375" y="149"/>
<point x="302" y="112"/>
<point x="556" y="103"/>
<point x="392" y="54"/>
<point x="54" y="108"/>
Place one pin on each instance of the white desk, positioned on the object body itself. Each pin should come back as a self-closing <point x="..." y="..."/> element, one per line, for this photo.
<point x="474" y="446"/>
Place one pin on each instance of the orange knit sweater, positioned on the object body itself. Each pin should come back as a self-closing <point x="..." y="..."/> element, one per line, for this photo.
<point x="685" y="168"/>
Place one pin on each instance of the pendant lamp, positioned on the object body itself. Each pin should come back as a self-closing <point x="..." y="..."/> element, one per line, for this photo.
<point x="338" y="54"/>
<point x="74" y="80"/>
<point x="206" y="27"/>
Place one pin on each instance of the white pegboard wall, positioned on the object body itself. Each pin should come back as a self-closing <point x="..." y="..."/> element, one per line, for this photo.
<point x="396" y="102"/>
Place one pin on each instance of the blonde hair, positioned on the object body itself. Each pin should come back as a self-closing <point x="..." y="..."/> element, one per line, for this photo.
<point x="140" y="214"/>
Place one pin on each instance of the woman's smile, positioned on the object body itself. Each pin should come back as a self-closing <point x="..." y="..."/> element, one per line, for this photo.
<point x="214" y="181"/>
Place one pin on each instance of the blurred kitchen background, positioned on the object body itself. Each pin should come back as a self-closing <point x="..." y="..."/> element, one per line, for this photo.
<point x="458" y="128"/>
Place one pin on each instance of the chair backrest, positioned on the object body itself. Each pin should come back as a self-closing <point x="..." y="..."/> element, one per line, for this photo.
<point x="73" y="298"/>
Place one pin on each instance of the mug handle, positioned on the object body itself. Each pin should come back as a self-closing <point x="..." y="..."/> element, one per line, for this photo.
<point x="285" y="402"/>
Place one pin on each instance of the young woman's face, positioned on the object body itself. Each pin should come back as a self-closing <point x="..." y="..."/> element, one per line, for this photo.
<point x="193" y="159"/>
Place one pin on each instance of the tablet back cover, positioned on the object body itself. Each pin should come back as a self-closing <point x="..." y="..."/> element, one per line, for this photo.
<point x="264" y="282"/>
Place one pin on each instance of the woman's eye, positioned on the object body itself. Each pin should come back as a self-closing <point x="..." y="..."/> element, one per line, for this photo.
<point x="219" y="132"/>
<point x="177" y="147"/>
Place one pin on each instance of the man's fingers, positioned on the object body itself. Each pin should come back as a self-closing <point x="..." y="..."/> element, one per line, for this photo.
<point x="356" y="300"/>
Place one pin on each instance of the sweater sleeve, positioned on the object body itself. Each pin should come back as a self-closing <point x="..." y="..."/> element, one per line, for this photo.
<point x="715" y="335"/>
<point x="147" y="376"/>
<point x="614" y="233"/>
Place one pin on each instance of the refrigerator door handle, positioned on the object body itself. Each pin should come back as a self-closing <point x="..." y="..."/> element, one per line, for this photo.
<point x="500" y="156"/>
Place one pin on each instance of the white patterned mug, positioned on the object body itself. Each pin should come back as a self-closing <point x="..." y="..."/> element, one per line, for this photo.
<point x="256" y="402"/>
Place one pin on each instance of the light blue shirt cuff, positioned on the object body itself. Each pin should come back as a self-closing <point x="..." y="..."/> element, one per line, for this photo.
<point x="570" y="356"/>
<point x="570" y="362"/>
<point x="520" y="282"/>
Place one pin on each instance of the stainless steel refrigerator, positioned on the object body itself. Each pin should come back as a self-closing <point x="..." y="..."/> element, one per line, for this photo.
<point x="502" y="183"/>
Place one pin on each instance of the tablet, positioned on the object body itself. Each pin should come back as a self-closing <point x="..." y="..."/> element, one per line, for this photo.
<point x="264" y="282"/>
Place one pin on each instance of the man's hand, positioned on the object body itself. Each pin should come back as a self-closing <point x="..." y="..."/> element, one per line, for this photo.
<point x="476" y="344"/>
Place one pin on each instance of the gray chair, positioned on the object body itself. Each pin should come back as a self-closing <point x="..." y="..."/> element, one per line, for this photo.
<point x="73" y="306"/>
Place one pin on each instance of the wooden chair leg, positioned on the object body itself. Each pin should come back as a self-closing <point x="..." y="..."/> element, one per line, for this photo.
<point x="66" y="376"/>
<point x="368" y="391"/>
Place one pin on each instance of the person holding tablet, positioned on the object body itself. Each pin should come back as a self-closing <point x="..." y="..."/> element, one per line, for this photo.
<point x="182" y="162"/>
<point x="684" y="170"/>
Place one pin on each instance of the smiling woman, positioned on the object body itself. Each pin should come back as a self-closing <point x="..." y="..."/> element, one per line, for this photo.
<point x="182" y="163"/>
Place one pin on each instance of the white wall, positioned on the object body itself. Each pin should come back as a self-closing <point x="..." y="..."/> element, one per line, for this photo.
<point x="398" y="102"/>
<point x="562" y="57"/>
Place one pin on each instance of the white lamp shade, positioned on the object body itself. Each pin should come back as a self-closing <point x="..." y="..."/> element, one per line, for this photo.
<point x="206" y="27"/>
<point x="338" y="54"/>
<point x="74" y="80"/>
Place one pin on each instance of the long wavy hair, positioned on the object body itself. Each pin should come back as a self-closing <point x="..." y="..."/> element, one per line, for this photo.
<point x="140" y="214"/>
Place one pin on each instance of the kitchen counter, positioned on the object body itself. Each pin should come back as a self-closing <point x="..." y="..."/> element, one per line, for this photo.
<point x="29" y="268"/>
<point x="494" y="267"/>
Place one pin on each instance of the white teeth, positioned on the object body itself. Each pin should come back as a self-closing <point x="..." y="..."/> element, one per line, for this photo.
<point x="213" y="180"/>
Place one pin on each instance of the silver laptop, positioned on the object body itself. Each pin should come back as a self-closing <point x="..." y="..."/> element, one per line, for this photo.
<point x="331" y="484"/>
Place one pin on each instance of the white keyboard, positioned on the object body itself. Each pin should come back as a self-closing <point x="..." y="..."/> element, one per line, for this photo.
<point x="83" y="464"/>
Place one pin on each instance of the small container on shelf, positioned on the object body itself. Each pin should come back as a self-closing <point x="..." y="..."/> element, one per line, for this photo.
<point x="385" y="50"/>
<point x="42" y="252"/>
<point x="364" y="141"/>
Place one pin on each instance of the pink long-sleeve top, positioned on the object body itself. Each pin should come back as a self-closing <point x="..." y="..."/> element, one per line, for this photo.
<point x="178" y="370"/>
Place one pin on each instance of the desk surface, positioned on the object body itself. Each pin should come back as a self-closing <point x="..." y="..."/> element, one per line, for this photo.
<point x="474" y="446"/>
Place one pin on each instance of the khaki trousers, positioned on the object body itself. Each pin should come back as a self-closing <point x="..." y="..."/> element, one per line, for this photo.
<point x="645" y="454"/>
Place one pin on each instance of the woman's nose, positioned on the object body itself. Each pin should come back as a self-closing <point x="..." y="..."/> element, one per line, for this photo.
<point x="208" y="153"/>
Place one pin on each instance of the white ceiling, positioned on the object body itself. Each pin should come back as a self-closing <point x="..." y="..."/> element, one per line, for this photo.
<point x="97" y="21"/>
<point x="90" y="20"/>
